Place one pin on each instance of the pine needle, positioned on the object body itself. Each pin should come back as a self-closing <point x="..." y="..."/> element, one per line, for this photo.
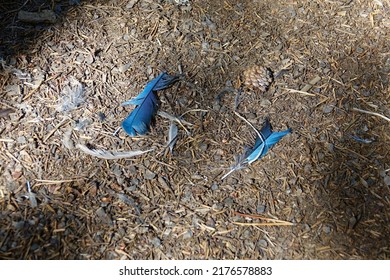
<point x="264" y="224"/>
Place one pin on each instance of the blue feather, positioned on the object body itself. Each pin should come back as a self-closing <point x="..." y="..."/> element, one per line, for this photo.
<point x="266" y="138"/>
<point x="362" y="140"/>
<point x="138" y="122"/>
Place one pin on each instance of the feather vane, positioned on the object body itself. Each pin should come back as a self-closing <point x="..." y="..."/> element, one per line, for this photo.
<point x="172" y="136"/>
<point x="138" y="122"/>
<point x="265" y="139"/>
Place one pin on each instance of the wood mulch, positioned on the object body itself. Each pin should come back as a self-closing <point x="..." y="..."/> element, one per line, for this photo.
<point x="322" y="192"/>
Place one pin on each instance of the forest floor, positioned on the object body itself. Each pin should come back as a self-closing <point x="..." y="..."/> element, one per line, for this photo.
<point x="322" y="192"/>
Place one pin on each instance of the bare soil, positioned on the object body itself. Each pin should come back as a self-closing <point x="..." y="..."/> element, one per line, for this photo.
<point x="322" y="192"/>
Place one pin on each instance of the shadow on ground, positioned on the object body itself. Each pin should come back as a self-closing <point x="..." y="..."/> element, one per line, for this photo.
<point x="349" y="167"/>
<point x="18" y="36"/>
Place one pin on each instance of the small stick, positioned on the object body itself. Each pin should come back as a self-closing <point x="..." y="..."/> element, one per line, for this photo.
<point x="237" y="99"/>
<point x="55" y="129"/>
<point x="193" y="110"/>
<point x="372" y="113"/>
<point x="173" y="118"/>
<point x="31" y="93"/>
<point x="35" y="89"/>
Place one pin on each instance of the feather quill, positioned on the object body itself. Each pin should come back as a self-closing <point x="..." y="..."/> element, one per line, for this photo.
<point x="31" y="196"/>
<point x="265" y="139"/>
<point x="138" y="122"/>
<point x="108" y="154"/>
<point x="172" y="136"/>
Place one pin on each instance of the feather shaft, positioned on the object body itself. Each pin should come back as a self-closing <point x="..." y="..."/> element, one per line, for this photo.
<point x="104" y="154"/>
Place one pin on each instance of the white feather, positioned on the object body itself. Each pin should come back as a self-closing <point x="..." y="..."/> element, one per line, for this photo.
<point x="108" y="154"/>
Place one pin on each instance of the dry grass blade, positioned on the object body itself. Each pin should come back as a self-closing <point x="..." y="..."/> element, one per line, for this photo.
<point x="372" y="113"/>
<point x="299" y="91"/>
<point x="271" y="221"/>
<point x="56" y="182"/>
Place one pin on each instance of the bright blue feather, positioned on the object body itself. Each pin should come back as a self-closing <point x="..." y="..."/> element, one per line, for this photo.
<point x="266" y="141"/>
<point x="266" y="138"/>
<point x="138" y="122"/>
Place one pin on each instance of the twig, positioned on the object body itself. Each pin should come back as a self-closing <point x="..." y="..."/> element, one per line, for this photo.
<point x="37" y="88"/>
<point x="237" y="99"/>
<point x="173" y="118"/>
<point x="193" y="110"/>
<point x="271" y="221"/>
<point x="176" y="119"/>
<point x="31" y="93"/>
<point x="6" y="140"/>
<point x="372" y="113"/>
<point x="254" y="216"/>
<point x="64" y="121"/>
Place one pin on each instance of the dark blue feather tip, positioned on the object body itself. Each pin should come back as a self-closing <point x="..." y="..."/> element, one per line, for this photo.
<point x="139" y="120"/>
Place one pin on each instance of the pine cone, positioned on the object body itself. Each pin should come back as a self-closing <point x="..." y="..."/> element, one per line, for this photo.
<point x="258" y="77"/>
